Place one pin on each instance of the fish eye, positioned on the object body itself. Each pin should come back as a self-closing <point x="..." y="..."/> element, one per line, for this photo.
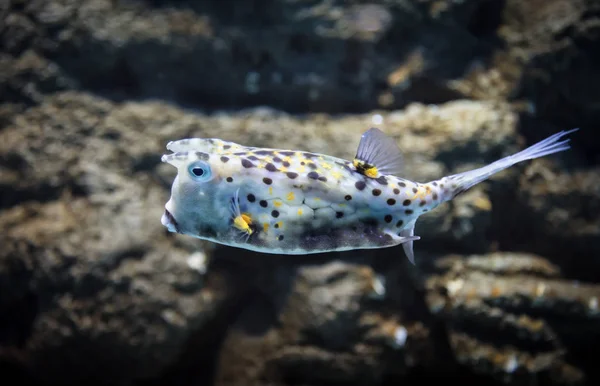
<point x="199" y="171"/>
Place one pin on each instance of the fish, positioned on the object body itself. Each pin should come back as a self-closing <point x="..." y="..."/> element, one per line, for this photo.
<point x="295" y="202"/>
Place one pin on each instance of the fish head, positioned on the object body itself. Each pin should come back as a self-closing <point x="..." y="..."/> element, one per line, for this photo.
<point x="194" y="207"/>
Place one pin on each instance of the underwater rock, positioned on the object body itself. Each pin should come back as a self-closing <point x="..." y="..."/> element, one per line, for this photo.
<point x="92" y="288"/>
<point x="513" y="316"/>
<point x="51" y="149"/>
<point x="82" y="185"/>
<point x="327" y="322"/>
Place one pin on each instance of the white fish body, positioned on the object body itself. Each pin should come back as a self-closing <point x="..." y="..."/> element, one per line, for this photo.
<point x="297" y="202"/>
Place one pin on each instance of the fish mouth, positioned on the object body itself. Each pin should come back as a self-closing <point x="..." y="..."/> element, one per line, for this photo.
<point x="169" y="222"/>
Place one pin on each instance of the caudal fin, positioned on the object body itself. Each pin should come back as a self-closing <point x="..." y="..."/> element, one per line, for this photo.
<point x="463" y="181"/>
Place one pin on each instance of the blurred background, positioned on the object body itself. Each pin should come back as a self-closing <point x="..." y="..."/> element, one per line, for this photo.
<point x="93" y="289"/>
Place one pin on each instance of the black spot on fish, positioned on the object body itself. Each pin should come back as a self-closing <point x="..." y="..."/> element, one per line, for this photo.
<point x="276" y="225"/>
<point x="360" y="185"/>
<point x="312" y="165"/>
<point x="224" y="159"/>
<point x="280" y="237"/>
<point x="270" y="167"/>
<point x="396" y="191"/>
<point x="276" y="159"/>
<point x="339" y="214"/>
<point x="435" y="196"/>
<point x="264" y="152"/>
<point x="323" y="178"/>
<point x="263" y="203"/>
<point x="348" y="197"/>
<point x="286" y="164"/>
<point x="382" y="180"/>
<point x="406" y="203"/>
<point x="399" y="223"/>
<point x="286" y="153"/>
<point x="229" y="179"/>
<point x="247" y="164"/>
<point x="226" y="147"/>
<point x="309" y="155"/>
<point x="253" y="158"/>
<point x="388" y="218"/>
<point x="202" y="156"/>
<point x="251" y="197"/>
<point x="313" y="175"/>
<point x="302" y="163"/>
<point x="391" y="201"/>
<point x="275" y="213"/>
<point x="402" y="184"/>
<point x="434" y="183"/>
<point x="291" y="175"/>
<point x="376" y="192"/>
<point x="267" y="180"/>
<point x="408" y="211"/>
<point x="422" y="203"/>
<point x="415" y="190"/>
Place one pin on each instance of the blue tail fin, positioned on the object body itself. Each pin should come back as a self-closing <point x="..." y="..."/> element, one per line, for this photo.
<point x="463" y="181"/>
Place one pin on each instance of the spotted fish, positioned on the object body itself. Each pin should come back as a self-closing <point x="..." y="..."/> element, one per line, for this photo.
<point x="298" y="202"/>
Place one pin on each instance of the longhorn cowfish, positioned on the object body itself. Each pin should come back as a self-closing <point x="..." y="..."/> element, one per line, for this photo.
<point x="298" y="202"/>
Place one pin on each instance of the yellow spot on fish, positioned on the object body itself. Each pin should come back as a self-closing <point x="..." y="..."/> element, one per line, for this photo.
<point x="317" y="199"/>
<point x="300" y="212"/>
<point x="287" y="158"/>
<point x="278" y="224"/>
<point x="283" y="169"/>
<point x="335" y="174"/>
<point x="270" y="190"/>
<point x="326" y="166"/>
<point x="277" y="203"/>
<point x="301" y="169"/>
<point x="266" y="226"/>
<point x="365" y="169"/>
<point x="243" y="222"/>
<point x="371" y="172"/>
<point x="421" y="193"/>
<point x="290" y="196"/>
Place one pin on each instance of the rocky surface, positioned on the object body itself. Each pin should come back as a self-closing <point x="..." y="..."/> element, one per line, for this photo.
<point x="93" y="289"/>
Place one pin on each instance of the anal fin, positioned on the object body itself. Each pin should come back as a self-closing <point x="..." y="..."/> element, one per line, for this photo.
<point x="406" y="238"/>
<point x="409" y="232"/>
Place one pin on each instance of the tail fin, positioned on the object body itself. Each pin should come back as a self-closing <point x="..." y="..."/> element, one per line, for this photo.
<point x="463" y="181"/>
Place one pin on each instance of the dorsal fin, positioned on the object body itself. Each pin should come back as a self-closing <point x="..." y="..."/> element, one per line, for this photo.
<point x="378" y="154"/>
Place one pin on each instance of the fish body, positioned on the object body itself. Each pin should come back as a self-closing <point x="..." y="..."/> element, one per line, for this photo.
<point x="298" y="202"/>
